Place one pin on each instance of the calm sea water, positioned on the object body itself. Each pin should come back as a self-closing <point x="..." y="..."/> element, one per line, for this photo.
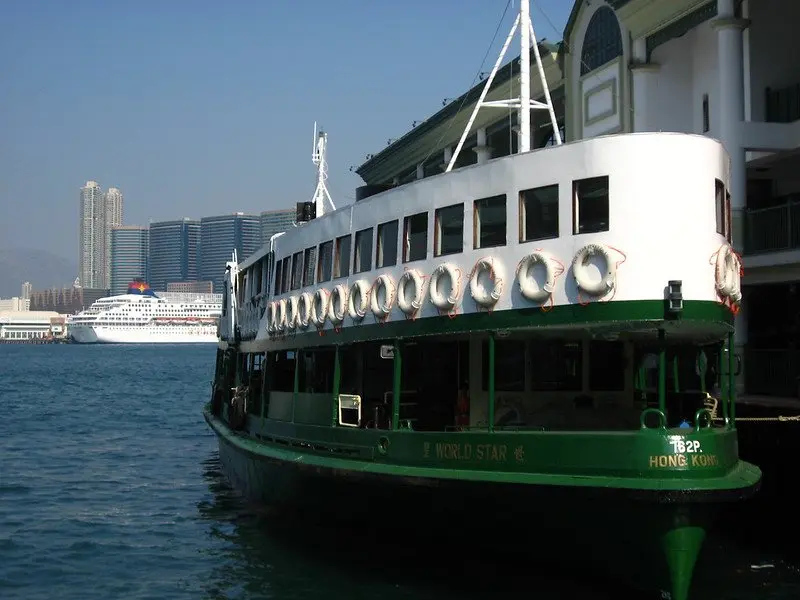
<point x="110" y="488"/>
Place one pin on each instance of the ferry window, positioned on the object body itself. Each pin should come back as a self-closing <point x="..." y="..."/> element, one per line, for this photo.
<point x="590" y="205"/>
<point x="309" y="261"/>
<point x="278" y="277"/>
<point x="722" y="204"/>
<point x="386" y="251"/>
<point x="729" y="231"/>
<point x="282" y="376"/>
<point x="538" y="213"/>
<point x="415" y="237"/>
<point x="316" y="371"/>
<point x="341" y="264"/>
<point x="556" y="367"/>
<point x="285" y="274"/>
<point x="297" y="270"/>
<point x="606" y="366"/>
<point x="449" y="230"/>
<point x="489" y="222"/>
<point x="362" y="257"/>
<point x="325" y="266"/>
<point x="509" y="366"/>
<point x="706" y="119"/>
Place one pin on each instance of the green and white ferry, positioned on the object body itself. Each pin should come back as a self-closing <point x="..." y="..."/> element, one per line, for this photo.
<point x="441" y="346"/>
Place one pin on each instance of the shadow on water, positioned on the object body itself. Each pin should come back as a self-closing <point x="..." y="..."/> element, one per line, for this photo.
<point x="280" y="555"/>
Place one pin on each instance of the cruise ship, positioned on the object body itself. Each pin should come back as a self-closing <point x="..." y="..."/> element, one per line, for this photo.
<point x="140" y="316"/>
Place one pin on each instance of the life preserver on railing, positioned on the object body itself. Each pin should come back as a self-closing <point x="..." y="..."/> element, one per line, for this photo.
<point x="606" y="283"/>
<point x="438" y="298"/>
<point x="319" y="307"/>
<point x="528" y="287"/>
<point x="272" y="317"/>
<point x="410" y="303"/>
<point x="482" y="294"/>
<point x="291" y="313"/>
<point x="282" y="317"/>
<point x="337" y="306"/>
<point x="358" y="300"/>
<point x="304" y="309"/>
<point x="728" y="274"/>
<point x="385" y="283"/>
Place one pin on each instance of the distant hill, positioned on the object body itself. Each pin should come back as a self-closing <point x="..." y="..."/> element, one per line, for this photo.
<point x="43" y="269"/>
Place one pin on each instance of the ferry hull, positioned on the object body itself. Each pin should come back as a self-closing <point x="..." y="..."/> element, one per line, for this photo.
<point x="102" y="335"/>
<point x="648" y="539"/>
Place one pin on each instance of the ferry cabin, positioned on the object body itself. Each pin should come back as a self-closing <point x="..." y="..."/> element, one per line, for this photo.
<point x="563" y="289"/>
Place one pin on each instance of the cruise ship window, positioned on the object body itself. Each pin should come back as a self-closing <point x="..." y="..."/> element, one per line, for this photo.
<point x="590" y="205"/>
<point x="415" y="237"/>
<point x="341" y="264"/>
<point x="309" y="262"/>
<point x="538" y="213"/>
<point x="362" y="257"/>
<point x="297" y="270"/>
<point x="489" y="222"/>
<point x="386" y="251"/>
<point x="325" y="266"/>
<point x="448" y="230"/>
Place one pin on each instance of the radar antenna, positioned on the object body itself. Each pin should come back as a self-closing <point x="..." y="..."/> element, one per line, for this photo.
<point x="321" y="193"/>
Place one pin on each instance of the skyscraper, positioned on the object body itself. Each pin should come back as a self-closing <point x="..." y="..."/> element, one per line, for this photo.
<point x="113" y="218"/>
<point x="129" y="256"/>
<point x="99" y="212"/>
<point x="276" y="221"/>
<point x="174" y="248"/>
<point x="220" y="236"/>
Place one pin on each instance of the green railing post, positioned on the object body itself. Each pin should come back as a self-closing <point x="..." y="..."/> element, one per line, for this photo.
<point x="266" y="376"/>
<point x="662" y="371"/>
<point x="491" y="383"/>
<point x="337" y="376"/>
<point x="296" y="381"/>
<point x="397" y="383"/>
<point x="731" y="381"/>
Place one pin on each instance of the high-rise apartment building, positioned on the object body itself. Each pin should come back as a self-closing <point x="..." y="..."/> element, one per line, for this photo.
<point x="129" y="256"/>
<point x="174" y="249"/>
<point x="99" y="213"/>
<point x="276" y="221"/>
<point x="220" y="236"/>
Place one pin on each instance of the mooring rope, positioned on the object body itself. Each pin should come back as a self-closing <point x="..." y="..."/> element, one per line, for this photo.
<point x="712" y="403"/>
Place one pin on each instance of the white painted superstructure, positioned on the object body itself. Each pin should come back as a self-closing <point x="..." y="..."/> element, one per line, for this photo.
<point x="141" y="319"/>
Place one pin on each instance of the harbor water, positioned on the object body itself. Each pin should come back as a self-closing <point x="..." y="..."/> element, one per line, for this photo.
<point x="110" y="487"/>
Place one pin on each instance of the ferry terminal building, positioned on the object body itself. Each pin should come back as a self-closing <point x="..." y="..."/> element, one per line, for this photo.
<point x="722" y="68"/>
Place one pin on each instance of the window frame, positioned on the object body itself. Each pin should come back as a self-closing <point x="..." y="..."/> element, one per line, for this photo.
<point x="477" y="219"/>
<point x="437" y="229"/>
<point x="357" y="249"/>
<point x="380" y="244"/>
<point x="576" y="201"/>
<point x="523" y="212"/>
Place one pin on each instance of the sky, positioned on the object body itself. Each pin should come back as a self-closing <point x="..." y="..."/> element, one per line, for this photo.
<point x="195" y="108"/>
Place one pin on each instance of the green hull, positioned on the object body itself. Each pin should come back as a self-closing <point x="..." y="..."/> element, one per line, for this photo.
<point x="646" y="529"/>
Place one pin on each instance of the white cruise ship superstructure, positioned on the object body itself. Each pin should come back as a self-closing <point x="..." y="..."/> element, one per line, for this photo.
<point x="142" y="317"/>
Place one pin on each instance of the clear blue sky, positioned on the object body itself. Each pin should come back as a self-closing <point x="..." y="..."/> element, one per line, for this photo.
<point x="195" y="108"/>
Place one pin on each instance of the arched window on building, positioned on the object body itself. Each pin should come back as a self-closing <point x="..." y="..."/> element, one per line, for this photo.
<point x="602" y="42"/>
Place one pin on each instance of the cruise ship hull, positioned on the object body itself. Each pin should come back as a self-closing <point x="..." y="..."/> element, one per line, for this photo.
<point x="140" y="335"/>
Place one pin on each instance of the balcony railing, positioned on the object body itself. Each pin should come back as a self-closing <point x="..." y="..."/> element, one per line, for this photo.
<point x="772" y="229"/>
<point x="772" y="372"/>
<point x="783" y="105"/>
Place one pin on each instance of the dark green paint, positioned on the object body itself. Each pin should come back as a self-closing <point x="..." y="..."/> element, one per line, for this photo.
<point x="491" y="382"/>
<point x="397" y="384"/>
<point x="662" y="372"/>
<point x="337" y="380"/>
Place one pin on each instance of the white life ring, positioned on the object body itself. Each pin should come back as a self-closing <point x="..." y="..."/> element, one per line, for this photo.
<point x="410" y="304"/>
<point x="281" y="324"/>
<point x="319" y="307"/>
<point x="606" y="283"/>
<point x="304" y="309"/>
<point x="291" y="313"/>
<point x="361" y="290"/>
<point x="382" y="309"/>
<point x="338" y="297"/>
<point x="527" y="284"/>
<point x="272" y="317"/>
<point x="438" y="299"/>
<point x="481" y="294"/>
<point x="728" y="274"/>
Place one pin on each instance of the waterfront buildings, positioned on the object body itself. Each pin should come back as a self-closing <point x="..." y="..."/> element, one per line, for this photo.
<point x="174" y="251"/>
<point x="129" y="256"/>
<point x="99" y="213"/>
<point x="275" y="221"/>
<point x="220" y="236"/>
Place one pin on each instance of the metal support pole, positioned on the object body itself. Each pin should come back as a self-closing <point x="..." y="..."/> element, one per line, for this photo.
<point x="662" y="372"/>
<point x="731" y="381"/>
<point x="397" y="383"/>
<point x="491" y="383"/>
<point x="337" y="377"/>
<point x="296" y="381"/>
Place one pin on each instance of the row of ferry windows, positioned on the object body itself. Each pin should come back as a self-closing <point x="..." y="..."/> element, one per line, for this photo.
<point x="538" y="209"/>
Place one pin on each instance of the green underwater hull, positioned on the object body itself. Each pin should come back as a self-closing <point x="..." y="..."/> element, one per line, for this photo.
<point x="647" y="538"/>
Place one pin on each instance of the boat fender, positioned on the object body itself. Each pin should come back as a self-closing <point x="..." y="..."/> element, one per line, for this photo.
<point x="271" y="319"/>
<point x="304" y="309"/>
<point x="527" y="284"/>
<point x="382" y="309"/>
<point x="358" y="300"/>
<point x="319" y="307"/>
<point x="282" y="309"/>
<point x="408" y="303"/>
<point x="598" y="288"/>
<point x="728" y="273"/>
<point x="291" y="313"/>
<point x="480" y="293"/>
<point x="438" y="299"/>
<point x="337" y="306"/>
